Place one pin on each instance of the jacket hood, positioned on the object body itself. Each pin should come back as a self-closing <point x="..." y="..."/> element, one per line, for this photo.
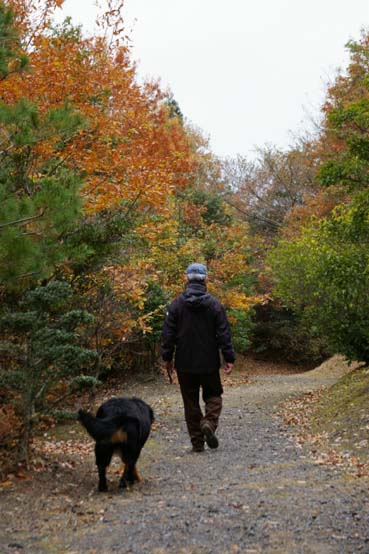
<point x="196" y="297"/>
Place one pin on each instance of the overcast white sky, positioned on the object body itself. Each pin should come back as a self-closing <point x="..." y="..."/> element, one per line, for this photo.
<point x="244" y="71"/>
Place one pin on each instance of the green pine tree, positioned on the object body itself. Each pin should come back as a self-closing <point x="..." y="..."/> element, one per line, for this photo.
<point x="39" y="195"/>
<point x="42" y="345"/>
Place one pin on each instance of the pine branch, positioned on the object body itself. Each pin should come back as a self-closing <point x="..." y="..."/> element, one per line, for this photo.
<point x="23" y="220"/>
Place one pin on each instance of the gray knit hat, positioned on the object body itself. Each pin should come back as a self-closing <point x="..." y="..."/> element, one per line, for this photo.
<point x="196" y="272"/>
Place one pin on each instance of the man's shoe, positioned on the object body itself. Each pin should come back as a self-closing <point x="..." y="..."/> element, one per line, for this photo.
<point x="199" y="448"/>
<point x="209" y="436"/>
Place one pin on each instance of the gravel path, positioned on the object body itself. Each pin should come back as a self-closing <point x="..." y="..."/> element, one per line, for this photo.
<point x="258" y="493"/>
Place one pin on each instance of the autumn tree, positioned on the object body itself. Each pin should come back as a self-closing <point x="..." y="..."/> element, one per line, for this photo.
<point x="268" y="189"/>
<point x="151" y="194"/>
<point x="132" y="149"/>
<point x="106" y="195"/>
<point x="205" y="230"/>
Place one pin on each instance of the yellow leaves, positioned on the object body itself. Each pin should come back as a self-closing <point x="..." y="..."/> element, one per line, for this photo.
<point x="238" y="300"/>
<point x="231" y="264"/>
<point x="170" y="252"/>
<point x="192" y="215"/>
<point x="160" y="233"/>
<point x="128" y="283"/>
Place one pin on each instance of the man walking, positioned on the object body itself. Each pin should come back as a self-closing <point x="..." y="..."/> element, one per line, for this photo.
<point x="195" y="329"/>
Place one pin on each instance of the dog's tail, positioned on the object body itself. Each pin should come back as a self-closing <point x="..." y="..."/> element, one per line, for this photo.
<point x="103" y="430"/>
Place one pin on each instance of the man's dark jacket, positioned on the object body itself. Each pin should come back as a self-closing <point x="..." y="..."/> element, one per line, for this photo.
<point x="196" y="328"/>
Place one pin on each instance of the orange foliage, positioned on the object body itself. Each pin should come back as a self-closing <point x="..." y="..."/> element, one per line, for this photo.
<point x="130" y="150"/>
<point x="191" y="214"/>
<point x="133" y="152"/>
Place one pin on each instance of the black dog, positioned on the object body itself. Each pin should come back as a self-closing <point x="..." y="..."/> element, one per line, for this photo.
<point x="122" y="426"/>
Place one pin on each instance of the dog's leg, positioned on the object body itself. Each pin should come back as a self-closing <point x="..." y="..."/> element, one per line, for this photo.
<point x="136" y="475"/>
<point x="123" y="479"/>
<point x="130" y="474"/>
<point x="103" y="453"/>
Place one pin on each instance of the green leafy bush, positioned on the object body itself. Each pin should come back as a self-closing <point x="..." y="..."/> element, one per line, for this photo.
<point x="324" y="276"/>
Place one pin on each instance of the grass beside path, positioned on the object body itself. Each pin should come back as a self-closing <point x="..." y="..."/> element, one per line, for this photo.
<point x="334" y="420"/>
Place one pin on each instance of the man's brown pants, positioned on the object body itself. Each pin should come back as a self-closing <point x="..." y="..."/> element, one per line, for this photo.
<point x="190" y="384"/>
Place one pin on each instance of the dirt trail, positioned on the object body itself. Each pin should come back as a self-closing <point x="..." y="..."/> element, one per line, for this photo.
<point x="258" y="493"/>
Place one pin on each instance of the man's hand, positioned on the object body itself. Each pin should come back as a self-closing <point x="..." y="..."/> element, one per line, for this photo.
<point x="228" y="368"/>
<point x="169" y="368"/>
